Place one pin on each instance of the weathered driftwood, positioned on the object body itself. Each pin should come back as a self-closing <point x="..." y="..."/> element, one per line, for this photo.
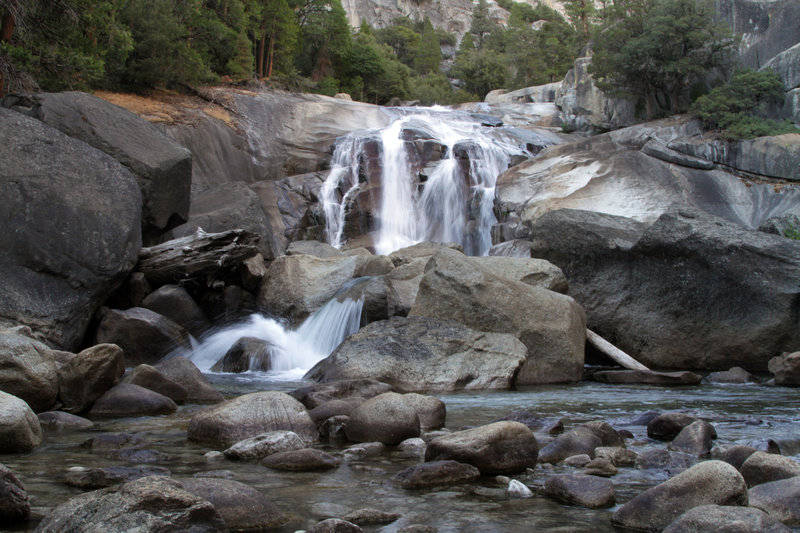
<point x="197" y="255"/>
<point x="613" y="352"/>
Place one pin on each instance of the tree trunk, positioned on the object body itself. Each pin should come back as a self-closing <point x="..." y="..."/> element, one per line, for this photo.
<point x="270" y="55"/>
<point x="260" y="53"/>
<point x="9" y="22"/>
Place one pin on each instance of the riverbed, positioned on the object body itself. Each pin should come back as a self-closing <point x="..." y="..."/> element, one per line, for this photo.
<point x="740" y="413"/>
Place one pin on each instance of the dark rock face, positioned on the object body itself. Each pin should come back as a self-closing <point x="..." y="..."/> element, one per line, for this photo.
<point x="695" y="439"/>
<point x="248" y="353"/>
<point x="666" y="426"/>
<point x="72" y="218"/>
<point x="173" y="302"/>
<point x="162" y="167"/>
<point x="420" y="353"/>
<point x="435" y="474"/>
<point x="780" y="499"/>
<point x="148" y="377"/>
<point x="496" y="448"/>
<point x="144" y="335"/>
<point x="710" y="482"/>
<point x="187" y="375"/>
<point x="680" y="295"/>
<point x="786" y="369"/>
<point x="126" y="400"/>
<point x="766" y="26"/>
<point x="153" y="503"/>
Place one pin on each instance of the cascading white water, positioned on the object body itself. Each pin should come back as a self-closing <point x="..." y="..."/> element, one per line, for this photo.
<point x="341" y="183"/>
<point x="453" y="205"/>
<point x="292" y="353"/>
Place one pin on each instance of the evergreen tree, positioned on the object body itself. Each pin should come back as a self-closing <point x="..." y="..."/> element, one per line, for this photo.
<point x="278" y="39"/>
<point x="481" y="24"/>
<point x="581" y="13"/>
<point x="429" y="54"/>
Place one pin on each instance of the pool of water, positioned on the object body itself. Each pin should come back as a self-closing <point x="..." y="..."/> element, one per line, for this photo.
<point x="740" y="413"/>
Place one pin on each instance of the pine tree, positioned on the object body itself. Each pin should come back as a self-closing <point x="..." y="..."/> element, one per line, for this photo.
<point x="429" y="53"/>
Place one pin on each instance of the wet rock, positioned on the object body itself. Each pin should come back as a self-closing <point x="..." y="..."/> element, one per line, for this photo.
<point x="334" y="408"/>
<point x="60" y="421"/>
<point x="735" y="455"/>
<point x="670" y="462"/>
<point x="28" y="370"/>
<point x="334" y="525"/>
<point x="617" y="455"/>
<point x="173" y="302"/>
<point x="98" y="478"/>
<point x="709" y="482"/>
<point x="14" y="504"/>
<point x="765" y="445"/>
<point x="762" y="467"/>
<point x="579" y="440"/>
<point x="666" y="426"/>
<point x="315" y="248"/>
<point x="144" y="335"/>
<point x="317" y="394"/>
<point x="153" y="503"/>
<point x="694" y="439"/>
<point x="140" y="457"/>
<point x="517" y="489"/>
<point x="20" y="431"/>
<point x="418" y="528"/>
<point x="247" y="353"/>
<point x="725" y="519"/>
<point x="252" y="272"/>
<point x="430" y="411"/>
<point x="420" y="353"/>
<point x="386" y="418"/>
<point x="586" y="491"/>
<point x="113" y="441"/>
<point x="367" y="516"/>
<point x="496" y="448"/>
<point x="780" y="499"/>
<point x="264" y="445"/>
<point x="148" y="377"/>
<point x="647" y="377"/>
<point x="551" y="426"/>
<point x="436" y="474"/>
<point x="736" y="374"/>
<point x="601" y="468"/>
<point x="333" y="428"/>
<point x="553" y="328"/>
<point x="578" y="461"/>
<point x="608" y="435"/>
<point x="242" y="507"/>
<point x="126" y="400"/>
<point x="534" y="272"/>
<point x="250" y="415"/>
<point x="187" y="375"/>
<point x="422" y="250"/>
<point x="54" y="280"/>
<point x="305" y="460"/>
<point x="786" y="369"/>
<point x="413" y="446"/>
<point x="88" y="375"/>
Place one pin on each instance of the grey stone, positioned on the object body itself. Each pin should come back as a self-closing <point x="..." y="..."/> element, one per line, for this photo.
<point x="88" y="375"/>
<point x="736" y="374"/>
<point x="431" y="411"/>
<point x="305" y="460"/>
<point x="762" y="467"/>
<point x="666" y="426"/>
<point x="786" y="369"/>
<point x="694" y="439"/>
<point x="368" y="516"/>
<point x="265" y="444"/>
<point x="725" y="519"/>
<point x="772" y="157"/>
<point x="126" y="400"/>
<point x="579" y="440"/>
<point x="386" y="418"/>
<point x="28" y="370"/>
<point x="99" y="478"/>
<point x="144" y="335"/>
<point x="20" y="431"/>
<point x="335" y="525"/>
<point x="14" y="503"/>
<point x="55" y="421"/>
<point x="585" y="491"/>
<point x="148" y="377"/>
<point x="173" y="302"/>
<point x="242" y="507"/>
<point x="186" y="374"/>
<point x="319" y="393"/>
<point x="247" y="353"/>
<point x="647" y="377"/>
<point x="780" y="499"/>
<point x="436" y="474"/>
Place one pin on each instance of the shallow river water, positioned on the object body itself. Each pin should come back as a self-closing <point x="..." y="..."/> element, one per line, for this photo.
<point x="740" y="413"/>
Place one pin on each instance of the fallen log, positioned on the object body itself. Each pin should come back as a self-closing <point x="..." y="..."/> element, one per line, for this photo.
<point x="613" y="352"/>
<point x="197" y="255"/>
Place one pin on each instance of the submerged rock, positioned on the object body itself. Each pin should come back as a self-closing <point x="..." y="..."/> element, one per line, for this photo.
<point x="98" y="478"/>
<point x="125" y="400"/>
<point x="305" y="460"/>
<point x="14" y="503"/>
<point x="55" y="421"/>
<point x="587" y="491"/>
<point x="242" y="507"/>
<point x="726" y="519"/>
<point x="436" y="474"/>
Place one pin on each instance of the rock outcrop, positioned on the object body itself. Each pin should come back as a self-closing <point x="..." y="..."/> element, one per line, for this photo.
<point x="72" y="229"/>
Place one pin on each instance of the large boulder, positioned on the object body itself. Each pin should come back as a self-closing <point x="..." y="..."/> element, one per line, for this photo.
<point x="162" y="167"/>
<point x="786" y="369"/>
<point x="186" y="374"/>
<point x="19" y="428"/>
<point x="709" y="482"/>
<point x="14" y="504"/>
<point x="28" y="370"/>
<point x="616" y="174"/>
<point x="587" y="491"/>
<point x="250" y="415"/>
<point x="144" y="335"/>
<point x="577" y="441"/>
<point x="551" y="325"/>
<point x="787" y="66"/>
<point x="148" y="377"/>
<point x="153" y="503"/>
<point x="767" y="28"/>
<point x="496" y="448"/>
<point x="420" y="353"/>
<point x="71" y="219"/>
<point x="680" y="294"/>
<point x="297" y="285"/>
<point x="726" y="519"/>
<point x="126" y="400"/>
<point x="88" y="375"/>
<point x="386" y="418"/>
<point x="763" y="467"/>
<point x="780" y="499"/>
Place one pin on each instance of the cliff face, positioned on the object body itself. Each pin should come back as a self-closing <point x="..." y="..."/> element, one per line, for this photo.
<point x="767" y="27"/>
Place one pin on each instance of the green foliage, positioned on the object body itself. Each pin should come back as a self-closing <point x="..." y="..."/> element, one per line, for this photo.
<point x="429" y="54"/>
<point x="657" y="49"/>
<point x="480" y="71"/>
<point x="792" y="231"/>
<point x="740" y="108"/>
<point x="581" y="13"/>
<point x="481" y="25"/>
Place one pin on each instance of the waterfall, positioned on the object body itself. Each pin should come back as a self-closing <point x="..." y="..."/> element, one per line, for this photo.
<point x="452" y="204"/>
<point x="292" y="353"/>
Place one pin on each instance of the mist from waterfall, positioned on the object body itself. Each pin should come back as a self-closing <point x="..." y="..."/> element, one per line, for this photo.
<point x="292" y="352"/>
<point x="452" y="203"/>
